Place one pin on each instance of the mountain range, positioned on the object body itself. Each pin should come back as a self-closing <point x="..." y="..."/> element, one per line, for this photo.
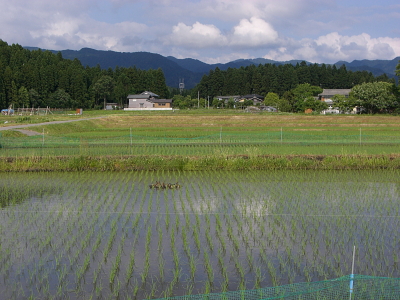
<point x="191" y="70"/>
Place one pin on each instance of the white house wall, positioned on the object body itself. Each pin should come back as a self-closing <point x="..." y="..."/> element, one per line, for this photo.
<point x="136" y="103"/>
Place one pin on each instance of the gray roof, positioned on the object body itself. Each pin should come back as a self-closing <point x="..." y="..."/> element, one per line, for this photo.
<point x="150" y="93"/>
<point x="253" y="96"/>
<point x="332" y="92"/>
<point x="228" y="97"/>
<point x="144" y="95"/>
<point x="140" y="96"/>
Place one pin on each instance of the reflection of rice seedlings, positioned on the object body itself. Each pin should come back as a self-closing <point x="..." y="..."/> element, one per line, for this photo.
<point x="116" y="264"/>
<point x="167" y="216"/>
<point x="161" y="265"/>
<point x="208" y="267"/>
<point x="209" y="239"/>
<point x="129" y="269"/>
<point x="254" y="208"/>
<point x="160" y="238"/>
<point x="249" y="256"/>
<point x="84" y="267"/>
<point x="196" y="238"/>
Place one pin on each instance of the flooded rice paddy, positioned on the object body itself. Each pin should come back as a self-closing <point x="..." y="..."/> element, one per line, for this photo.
<point x="109" y="235"/>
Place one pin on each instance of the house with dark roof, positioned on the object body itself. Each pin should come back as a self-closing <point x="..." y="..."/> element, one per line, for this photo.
<point x="257" y="99"/>
<point x="148" y="101"/>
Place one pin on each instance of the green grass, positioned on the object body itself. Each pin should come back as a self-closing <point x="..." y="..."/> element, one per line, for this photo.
<point x="203" y="134"/>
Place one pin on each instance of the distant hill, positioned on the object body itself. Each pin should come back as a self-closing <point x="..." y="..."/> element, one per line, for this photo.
<point x="376" y="67"/>
<point x="192" y="70"/>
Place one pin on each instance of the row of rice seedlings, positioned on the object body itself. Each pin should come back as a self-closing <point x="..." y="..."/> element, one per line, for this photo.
<point x="44" y="243"/>
<point x="280" y="232"/>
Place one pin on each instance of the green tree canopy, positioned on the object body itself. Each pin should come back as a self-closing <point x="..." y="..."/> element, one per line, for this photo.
<point x="60" y="98"/>
<point x="344" y="104"/>
<point x="272" y="99"/>
<point x="305" y="92"/>
<point x="104" y="87"/>
<point x="375" y="97"/>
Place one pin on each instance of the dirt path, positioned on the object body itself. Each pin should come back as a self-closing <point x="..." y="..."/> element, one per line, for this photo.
<point x="31" y="132"/>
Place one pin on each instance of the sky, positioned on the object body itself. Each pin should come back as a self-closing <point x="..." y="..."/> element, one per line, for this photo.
<point x="218" y="31"/>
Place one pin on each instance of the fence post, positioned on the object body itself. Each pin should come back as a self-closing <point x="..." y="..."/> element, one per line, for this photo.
<point x="281" y="136"/>
<point x="130" y="135"/>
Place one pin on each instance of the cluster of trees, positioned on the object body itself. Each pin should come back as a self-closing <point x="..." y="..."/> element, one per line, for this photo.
<point x="372" y="97"/>
<point x="294" y="88"/>
<point x="43" y="78"/>
<point x="263" y="79"/>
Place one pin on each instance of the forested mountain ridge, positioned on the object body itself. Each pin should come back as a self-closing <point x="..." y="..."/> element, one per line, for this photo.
<point x="192" y="70"/>
<point x="36" y="78"/>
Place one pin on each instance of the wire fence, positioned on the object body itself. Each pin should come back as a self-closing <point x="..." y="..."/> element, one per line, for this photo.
<point x="222" y="143"/>
<point x="38" y="141"/>
<point x="353" y="287"/>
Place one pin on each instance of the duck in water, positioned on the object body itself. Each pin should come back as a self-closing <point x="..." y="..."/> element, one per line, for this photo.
<point x="159" y="185"/>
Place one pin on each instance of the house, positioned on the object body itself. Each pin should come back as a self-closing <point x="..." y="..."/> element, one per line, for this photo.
<point x="254" y="97"/>
<point x="235" y="98"/>
<point x="327" y="95"/>
<point x="148" y="101"/>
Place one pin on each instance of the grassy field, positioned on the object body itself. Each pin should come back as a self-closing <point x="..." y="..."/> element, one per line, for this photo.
<point x="203" y="134"/>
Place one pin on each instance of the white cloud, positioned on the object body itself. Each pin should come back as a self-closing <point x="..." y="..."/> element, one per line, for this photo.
<point x="248" y="33"/>
<point x="334" y="47"/>
<point x="337" y="46"/>
<point x="209" y="30"/>
<point x="252" y="33"/>
<point x="196" y="36"/>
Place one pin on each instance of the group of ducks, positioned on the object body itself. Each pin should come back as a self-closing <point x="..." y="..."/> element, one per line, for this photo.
<point x="159" y="185"/>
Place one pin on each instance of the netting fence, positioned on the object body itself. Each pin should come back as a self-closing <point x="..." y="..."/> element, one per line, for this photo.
<point x="356" y="287"/>
<point x="217" y="138"/>
<point x="170" y="145"/>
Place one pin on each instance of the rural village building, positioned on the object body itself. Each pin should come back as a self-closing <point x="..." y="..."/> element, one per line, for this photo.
<point x="257" y="99"/>
<point x="148" y="101"/>
<point x="235" y="98"/>
<point x="327" y="95"/>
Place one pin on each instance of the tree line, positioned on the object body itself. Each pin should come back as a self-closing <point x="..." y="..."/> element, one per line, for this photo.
<point x="293" y="88"/>
<point x="279" y="79"/>
<point x="42" y="78"/>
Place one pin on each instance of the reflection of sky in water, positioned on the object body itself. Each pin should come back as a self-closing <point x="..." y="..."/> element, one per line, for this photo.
<point x="254" y="207"/>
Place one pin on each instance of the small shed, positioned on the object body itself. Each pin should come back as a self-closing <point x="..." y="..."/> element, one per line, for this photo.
<point x="7" y="112"/>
